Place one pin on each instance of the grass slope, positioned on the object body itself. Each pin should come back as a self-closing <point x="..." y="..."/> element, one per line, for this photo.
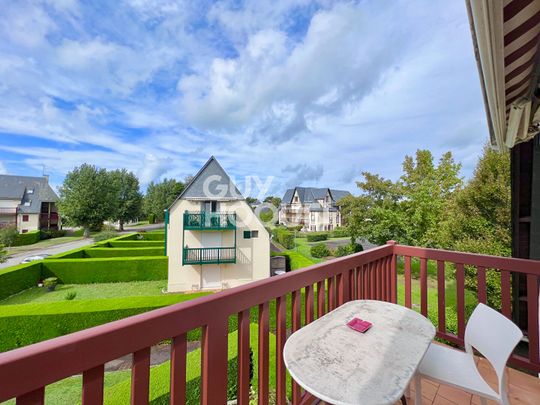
<point x="88" y="292"/>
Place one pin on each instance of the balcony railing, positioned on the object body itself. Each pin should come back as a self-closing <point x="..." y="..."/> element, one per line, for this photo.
<point x="204" y="220"/>
<point x="295" y="299"/>
<point x="213" y="255"/>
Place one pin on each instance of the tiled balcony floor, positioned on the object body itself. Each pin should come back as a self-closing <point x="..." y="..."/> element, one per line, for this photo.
<point x="523" y="389"/>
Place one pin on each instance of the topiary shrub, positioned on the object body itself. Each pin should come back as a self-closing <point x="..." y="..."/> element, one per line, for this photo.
<point x="151" y="218"/>
<point x="317" y="236"/>
<point x="320" y="250"/>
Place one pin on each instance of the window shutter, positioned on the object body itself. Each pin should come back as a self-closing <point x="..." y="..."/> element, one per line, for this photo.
<point x="247" y="234"/>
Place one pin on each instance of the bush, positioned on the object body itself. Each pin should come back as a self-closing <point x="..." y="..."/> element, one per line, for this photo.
<point x="52" y="233"/>
<point x="104" y="235"/>
<point x="106" y="270"/>
<point x="342" y="250"/>
<point x="70" y="296"/>
<point x="25" y="324"/>
<point x="14" y="279"/>
<point x="317" y="236"/>
<point x="8" y="236"/>
<point x="296" y="228"/>
<point x="319" y="250"/>
<point x="340" y="232"/>
<point x="134" y="243"/>
<point x="28" y="238"/>
<point x="50" y="283"/>
<point x="151" y="218"/>
<point x="283" y="237"/>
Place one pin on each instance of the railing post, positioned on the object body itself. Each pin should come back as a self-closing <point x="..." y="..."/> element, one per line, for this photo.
<point x="393" y="273"/>
<point x="214" y="362"/>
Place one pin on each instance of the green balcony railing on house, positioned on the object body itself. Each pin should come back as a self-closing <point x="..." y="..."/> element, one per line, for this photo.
<point x="205" y="220"/>
<point x="213" y="255"/>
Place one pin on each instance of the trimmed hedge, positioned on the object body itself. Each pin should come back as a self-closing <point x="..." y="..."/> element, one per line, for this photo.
<point x="25" y="324"/>
<point x="14" y="279"/>
<point x="28" y="238"/>
<point x="317" y="237"/>
<point x="133" y="243"/>
<point x="340" y="232"/>
<point x="123" y="252"/>
<point x="145" y="236"/>
<point x="106" y="270"/>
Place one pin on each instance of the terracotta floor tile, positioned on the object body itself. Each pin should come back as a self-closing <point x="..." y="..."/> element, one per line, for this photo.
<point x="454" y="394"/>
<point x="443" y="401"/>
<point x="429" y="388"/>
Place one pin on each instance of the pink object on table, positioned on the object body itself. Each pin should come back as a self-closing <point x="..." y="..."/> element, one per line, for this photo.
<point x="359" y="325"/>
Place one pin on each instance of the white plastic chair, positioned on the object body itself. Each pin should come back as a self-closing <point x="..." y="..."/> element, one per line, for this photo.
<point x="489" y="332"/>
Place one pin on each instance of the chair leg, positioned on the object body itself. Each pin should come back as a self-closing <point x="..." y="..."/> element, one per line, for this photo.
<point x="418" y="389"/>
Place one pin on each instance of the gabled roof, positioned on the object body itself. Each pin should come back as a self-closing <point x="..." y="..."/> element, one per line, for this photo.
<point x="312" y="194"/>
<point x="33" y="190"/>
<point x="211" y="183"/>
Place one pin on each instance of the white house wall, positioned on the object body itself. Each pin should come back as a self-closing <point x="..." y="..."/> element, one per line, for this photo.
<point x="252" y="255"/>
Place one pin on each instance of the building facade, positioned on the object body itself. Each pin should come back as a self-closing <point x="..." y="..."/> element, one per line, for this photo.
<point x="315" y="209"/>
<point x="28" y="203"/>
<point x="214" y="239"/>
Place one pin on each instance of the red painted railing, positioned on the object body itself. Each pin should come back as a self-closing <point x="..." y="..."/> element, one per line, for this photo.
<point x="373" y="274"/>
<point x="477" y="266"/>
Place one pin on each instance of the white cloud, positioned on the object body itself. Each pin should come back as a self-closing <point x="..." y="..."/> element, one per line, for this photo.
<point x="3" y="169"/>
<point x="327" y="89"/>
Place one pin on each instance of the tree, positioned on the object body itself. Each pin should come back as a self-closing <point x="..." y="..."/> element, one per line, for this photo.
<point x="425" y="190"/>
<point x="160" y="196"/>
<point x="87" y="197"/>
<point x="3" y="254"/>
<point x="375" y="214"/>
<point x="478" y="218"/>
<point x="8" y="235"/>
<point x="408" y="210"/>
<point x="275" y="201"/>
<point x="251" y="200"/>
<point x="128" y="197"/>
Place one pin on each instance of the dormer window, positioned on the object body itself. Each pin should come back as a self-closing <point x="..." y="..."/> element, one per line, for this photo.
<point x="27" y="203"/>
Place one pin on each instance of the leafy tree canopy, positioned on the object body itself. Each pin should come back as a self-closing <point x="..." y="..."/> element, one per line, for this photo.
<point x="160" y="196"/>
<point x="87" y="197"/>
<point x="128" y="197"/>
<point x="275" y="201"/>
<point x="407" y="210"/>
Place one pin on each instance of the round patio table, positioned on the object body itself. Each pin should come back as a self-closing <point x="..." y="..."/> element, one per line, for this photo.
<point x="342" y="366"/>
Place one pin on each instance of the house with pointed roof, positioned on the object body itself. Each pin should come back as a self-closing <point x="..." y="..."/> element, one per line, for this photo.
<point x="28" y="203"/>
<point x="315" y="209"/>
<point x="214" y="239"/>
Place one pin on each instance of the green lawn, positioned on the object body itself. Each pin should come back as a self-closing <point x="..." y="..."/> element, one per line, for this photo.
<point x="43" y="244"/>
<point x="88" y="292"/>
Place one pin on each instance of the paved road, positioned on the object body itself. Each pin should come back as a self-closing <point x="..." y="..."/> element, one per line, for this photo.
<point x="52" y="250"/>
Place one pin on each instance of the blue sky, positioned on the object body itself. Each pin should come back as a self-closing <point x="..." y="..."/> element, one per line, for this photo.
<point x="309" y="92"/>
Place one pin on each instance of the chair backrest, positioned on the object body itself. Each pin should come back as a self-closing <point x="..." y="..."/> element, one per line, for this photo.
<point x="493" y="335"/>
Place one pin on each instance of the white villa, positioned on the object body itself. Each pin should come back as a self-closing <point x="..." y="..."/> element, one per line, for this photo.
<point x="214" y="239"/>
<point x="315" y="209"/>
